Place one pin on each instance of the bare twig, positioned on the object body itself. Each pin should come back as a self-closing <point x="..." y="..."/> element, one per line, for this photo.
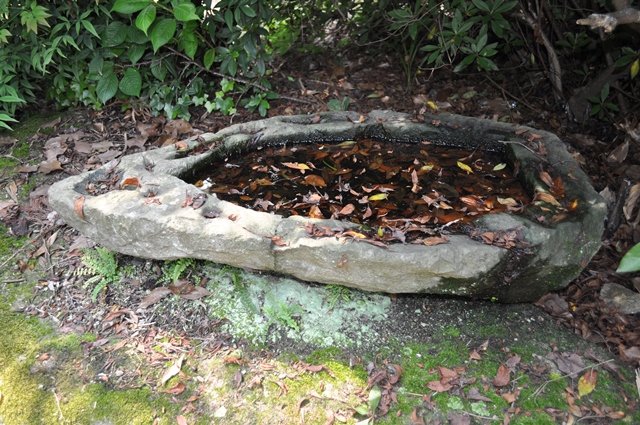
<point x="35" y="238"/>
<point x="555" y="71"/>
<point x="512" y="96"/>
<point x="539" y="390"/>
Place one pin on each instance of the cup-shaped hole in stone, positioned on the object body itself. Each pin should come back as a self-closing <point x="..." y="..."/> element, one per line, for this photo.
<point x="385" y="186"/>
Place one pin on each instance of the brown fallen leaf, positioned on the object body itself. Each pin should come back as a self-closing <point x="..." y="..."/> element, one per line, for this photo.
<point x="438" y="386"/>
<point x="154" y="296"/>
<point x="509" y="397"/>
<point x="474" y="394"/>
<point x="546" y="197"/>
<point x="435" y="240"/>
<point x="181" y="420"/>
<point x="196" y="293"/>
<point x="502" y="377"/>
<point x="46" y="167"/>
<point x="315" y="180"/>
<point x="178" y="126"/>
<point x="177" y="389"/>
<point x="415" y="419"/>
<point x="347" y="209"/>
<point x="26" y="169"/>
<point x="78" y="206"/>
<point x="179" y="146"/>
<point x="130" y="181"/>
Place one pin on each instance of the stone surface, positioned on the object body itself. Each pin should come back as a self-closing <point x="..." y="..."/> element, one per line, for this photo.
<point x="121" y="219"/>
<point x="617" y="296"/>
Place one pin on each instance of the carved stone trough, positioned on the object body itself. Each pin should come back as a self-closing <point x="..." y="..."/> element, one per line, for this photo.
<point x="125" y="221"/>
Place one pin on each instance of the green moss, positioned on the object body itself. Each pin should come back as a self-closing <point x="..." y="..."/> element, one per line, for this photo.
<point x="21" y="150"/>
<point x="9" y="243"/>
<point x="8" y="163"/>
<point x="29" y="389"/>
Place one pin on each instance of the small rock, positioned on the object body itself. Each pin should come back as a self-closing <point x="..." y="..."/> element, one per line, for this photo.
<point x="617" y="296"/>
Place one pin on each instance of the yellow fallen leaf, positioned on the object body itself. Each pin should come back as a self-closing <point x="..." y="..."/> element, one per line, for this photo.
<point x="507" y="201"/>
<point x="378" y="197"/>
<point x="296" y="166"/>
<point x="499" y="167"/>
<point x="432" y="105"/>
<point x="465" y="167"/>
<point x="587" y="382"/>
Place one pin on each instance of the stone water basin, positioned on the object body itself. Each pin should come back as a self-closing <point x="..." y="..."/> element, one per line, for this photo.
<point x="147" y="209"/>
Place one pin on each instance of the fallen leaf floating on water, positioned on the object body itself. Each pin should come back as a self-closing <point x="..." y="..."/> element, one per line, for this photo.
<point x="499" y="167"/>
<point x="315" y="180"/>
<point x="296" y="166"/>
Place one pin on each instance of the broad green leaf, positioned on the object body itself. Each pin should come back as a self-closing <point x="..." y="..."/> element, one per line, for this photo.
<point x="5" y="117"/>
<point x="4" y="33"/>
<point x="89" y="27"/>
<point x="631" y="261"/>
<point x="465" y="167"/>
<point x="247" y="10"/>
<point x="604" y="93"/>
<point x="162" y="32"/>
<point x="228" y="18"/>
<point x="130" y="6"/>
<point x="158" y="70"/>
<point x="131" y="82"/>
<point x="145" y="18"/>
<point x="135" y="52"/>
<point x="185" y="12"/>
<point x="107" y="87"/>
<point x="135" y="35"/>
<point x="362" y="409"/>
<point x="12" y="99"/>
<point x="635" y="67"/>
<point x="374" y="397"/>
<point x="188" y="43"/>
<point x="114" y="34"/>
<point x="499" y="167"/>
<point x="209" y="57"/>
<point x="465" y="62"/>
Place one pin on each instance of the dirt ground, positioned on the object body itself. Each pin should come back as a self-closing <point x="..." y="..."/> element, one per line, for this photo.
<point x="204" y="361"/>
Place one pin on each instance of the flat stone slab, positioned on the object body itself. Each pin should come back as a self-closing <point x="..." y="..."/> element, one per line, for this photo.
<point x="617" y="296"/>
<point x="152" y="221"/>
